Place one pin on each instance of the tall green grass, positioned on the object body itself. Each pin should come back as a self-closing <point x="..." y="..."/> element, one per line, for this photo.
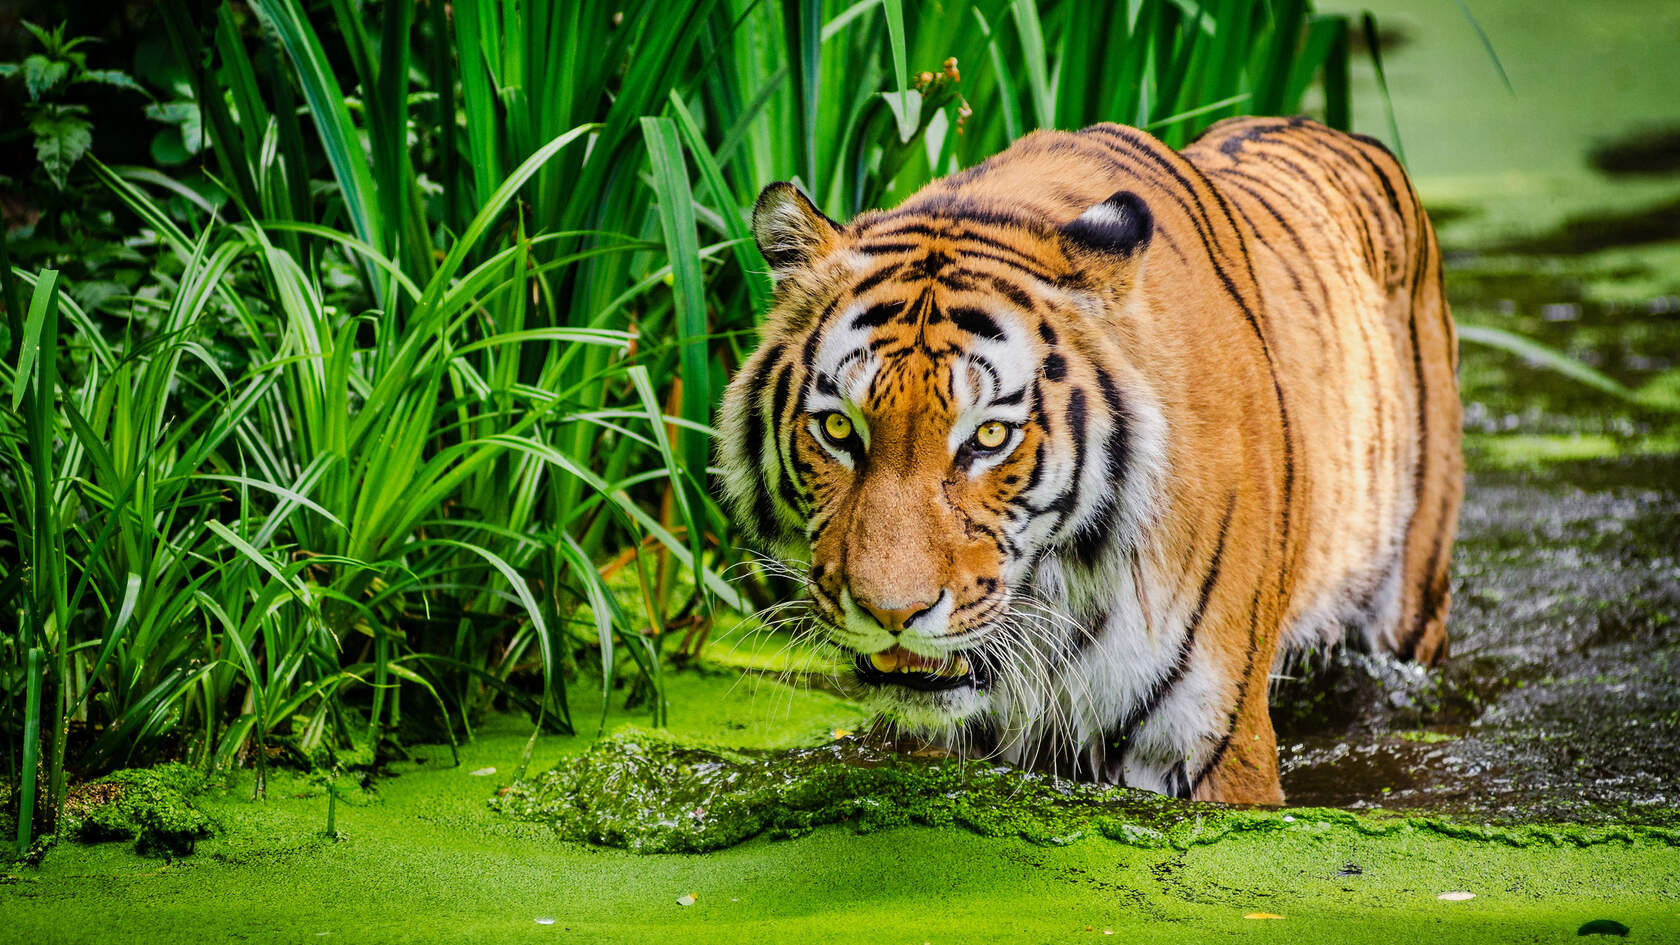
<point x="412" y="417"/>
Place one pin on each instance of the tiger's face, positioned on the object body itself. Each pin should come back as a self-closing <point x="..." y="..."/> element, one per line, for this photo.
<point x="919" y="437"/>
<point x="920" y="430"/>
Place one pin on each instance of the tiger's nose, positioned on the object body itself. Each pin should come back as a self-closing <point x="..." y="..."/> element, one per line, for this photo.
<point x="894" y="619"/>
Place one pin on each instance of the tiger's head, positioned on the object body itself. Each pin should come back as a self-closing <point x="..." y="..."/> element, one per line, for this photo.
<point x="942" y="421"/>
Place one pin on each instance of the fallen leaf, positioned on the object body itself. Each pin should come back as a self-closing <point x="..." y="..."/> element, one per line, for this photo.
<point x="1262" y="915"/>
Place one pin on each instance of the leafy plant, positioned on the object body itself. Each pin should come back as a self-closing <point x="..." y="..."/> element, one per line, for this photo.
<point x="61" y="130"/>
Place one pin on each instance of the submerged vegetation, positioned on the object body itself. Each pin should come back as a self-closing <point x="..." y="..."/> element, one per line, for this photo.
<point x="653" y="794"/>
<point x="376" y="389"/>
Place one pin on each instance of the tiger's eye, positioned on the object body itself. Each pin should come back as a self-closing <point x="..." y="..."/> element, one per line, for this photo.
<point x="837" y="425"/>
<point x="991" y="435"/>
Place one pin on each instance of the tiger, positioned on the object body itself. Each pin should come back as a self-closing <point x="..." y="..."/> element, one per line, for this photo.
<point x="1072" y="448"/>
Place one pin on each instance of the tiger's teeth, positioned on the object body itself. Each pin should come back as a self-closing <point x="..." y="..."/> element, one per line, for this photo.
<point x="900" y="661"/>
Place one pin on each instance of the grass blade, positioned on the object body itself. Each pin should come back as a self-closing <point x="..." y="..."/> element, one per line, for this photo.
<point x="676" y="218"/>
<point x="1487" y="44"/>
<point x="1373" y="43"/>
<point x="1554" y="360"/>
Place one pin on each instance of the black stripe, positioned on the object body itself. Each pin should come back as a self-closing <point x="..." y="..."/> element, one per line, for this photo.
<point x="970" y="235"/>
<point x="785" y="486"/>
<point x="975" y="322"/>
<point x="1377" y="169"/>
<point x="880" y="275"/>
<point x="1120" y="736"/>
<point x="1037" y="272"/>
<point x="886" y="248"/>
<point x="929" y="266"/>
<point x="1076" y="419"/>
<point x="1334" y="142"/>
<point x="1242" y="693"/>
<point x="913" y="228"/>
<point x="1036" y="474"/>
<point x="877" y="315"/>
<point x="1093" y="534"/>
<point x="1335" y="182"/>
<point x="1417" y="372"/>
<point x="1236" y="176"/>
<point x="1317" y="324"/>
<point x="949" y="206"/>
<point x="1097" y="531"/>
<point x="808" y="352"/>
<point x="763" y="509"/>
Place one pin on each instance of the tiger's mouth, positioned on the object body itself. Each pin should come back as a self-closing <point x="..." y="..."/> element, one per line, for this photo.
<point x="900" y="667"/>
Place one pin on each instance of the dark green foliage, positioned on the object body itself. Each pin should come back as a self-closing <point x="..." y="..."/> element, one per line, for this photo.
<point x="47" y="102"/>
<point x="60" y="128"/>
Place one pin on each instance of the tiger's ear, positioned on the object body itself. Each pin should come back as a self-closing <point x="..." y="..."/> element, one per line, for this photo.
<point x="1118" y="227"/>
<point x="791" y="232"/>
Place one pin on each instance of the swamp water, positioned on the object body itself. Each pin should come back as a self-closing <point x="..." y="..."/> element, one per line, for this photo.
<point x="1537" y="770"/>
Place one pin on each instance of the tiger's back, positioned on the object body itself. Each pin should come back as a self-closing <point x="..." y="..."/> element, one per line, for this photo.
<point x="1246" y="382"/>
<point x="1348" y="263"/>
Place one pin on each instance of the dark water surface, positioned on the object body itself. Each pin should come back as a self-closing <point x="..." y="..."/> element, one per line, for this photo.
<point x="1560" y="699"/>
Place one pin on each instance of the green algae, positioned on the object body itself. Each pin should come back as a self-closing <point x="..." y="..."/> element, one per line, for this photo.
<point x="650" y="793"/>
<point x="154" y="807"/>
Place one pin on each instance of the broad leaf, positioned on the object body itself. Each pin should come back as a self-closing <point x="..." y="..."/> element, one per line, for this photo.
<point x="61" y="138"/>
<point x="186" y="116"/>
<point x="43" y="75"/>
